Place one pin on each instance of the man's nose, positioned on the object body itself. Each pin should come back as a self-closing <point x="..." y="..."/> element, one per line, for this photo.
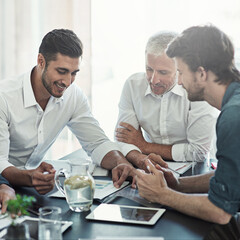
<point x="179" y="80"/>
<point x="154" y="78"/>
<point x="68" y="80"/>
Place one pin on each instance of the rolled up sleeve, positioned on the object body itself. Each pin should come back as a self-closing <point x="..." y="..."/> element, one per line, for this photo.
<point x="99" y="152"/>
<point x="223" y="196"/>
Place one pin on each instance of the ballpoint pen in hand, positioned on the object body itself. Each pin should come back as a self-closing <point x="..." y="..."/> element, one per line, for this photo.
<point x="173" y="170"/>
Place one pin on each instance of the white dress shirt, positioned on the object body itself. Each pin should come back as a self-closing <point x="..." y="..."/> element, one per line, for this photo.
<point x="169" y="119"/>
<point x="27" y="132"/>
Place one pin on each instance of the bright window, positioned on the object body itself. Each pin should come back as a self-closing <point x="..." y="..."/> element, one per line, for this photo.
<point x="114" y="34"/>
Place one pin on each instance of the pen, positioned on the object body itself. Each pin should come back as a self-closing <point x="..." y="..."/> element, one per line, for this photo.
<point x="173" y="170"/>
<point x="181" y="167"/>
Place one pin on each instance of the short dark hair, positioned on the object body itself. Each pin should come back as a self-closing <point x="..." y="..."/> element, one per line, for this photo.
<point x="62" y="41"/>
<point x="208" y="47"/>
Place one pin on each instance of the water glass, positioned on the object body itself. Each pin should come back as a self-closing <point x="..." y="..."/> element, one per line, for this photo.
<point x="49" y="225"/>
<point x="197" y="165"/>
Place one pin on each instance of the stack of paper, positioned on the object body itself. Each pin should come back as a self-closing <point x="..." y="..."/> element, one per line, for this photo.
<point x="103" y="189"/>
<point x="179" y="167"/>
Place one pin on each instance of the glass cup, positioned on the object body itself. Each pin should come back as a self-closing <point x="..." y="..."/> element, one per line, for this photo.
<point x="197" y="165"/>
<point x="49" y="225"/>
<point x="78" y="186"/>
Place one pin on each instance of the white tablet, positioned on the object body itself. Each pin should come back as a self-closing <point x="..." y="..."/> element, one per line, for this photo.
<point x="126" y="214"/>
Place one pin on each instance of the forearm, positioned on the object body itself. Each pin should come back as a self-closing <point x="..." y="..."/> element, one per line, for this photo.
<point x="197" y="205"/>
<point x="195" y="184"/>
<point x="165" y="151"/>
<point x="113" y="159"/>
<point x="18" y="177"/>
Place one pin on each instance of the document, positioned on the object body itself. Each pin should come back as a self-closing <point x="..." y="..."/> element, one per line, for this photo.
<point x="103" y="188"/>
<point x="179" y="167"/>
<point x="32" y="223"/>
<point x="123" y="238"/>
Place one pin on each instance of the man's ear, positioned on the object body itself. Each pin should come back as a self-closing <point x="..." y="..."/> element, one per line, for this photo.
<point x="202" y="73"/>
<point x="41" y="61"/>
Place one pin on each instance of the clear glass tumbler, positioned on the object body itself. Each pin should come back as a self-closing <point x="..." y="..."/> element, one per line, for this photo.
<point x="49" y="225"/>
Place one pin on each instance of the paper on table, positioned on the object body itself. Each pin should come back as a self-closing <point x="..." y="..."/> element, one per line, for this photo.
<point x="123" y="238"/>
<point x="5" y="221"/>
<point x="98" y="171"/>
<point x="103" y="189"/>
<point x="32" y="227"/>
<point x="180" y="167"/>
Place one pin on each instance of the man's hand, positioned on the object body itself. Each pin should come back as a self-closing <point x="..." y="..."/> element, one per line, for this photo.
<point x="151" y="186"/>
<point x="121" y="172"/>
<point x="128" y="134"/>
<point x="43" y="178"/>
<point x="155" y="159"/>
<point x="6" y="193"/>
<point x="171" y="180"/>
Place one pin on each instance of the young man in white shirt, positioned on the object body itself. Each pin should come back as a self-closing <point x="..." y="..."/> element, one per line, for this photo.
<point x="36" y="106"/>
<point x="155" y="114"/>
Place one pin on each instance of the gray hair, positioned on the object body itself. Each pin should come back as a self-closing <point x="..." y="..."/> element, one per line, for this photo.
<point x="158" y="42"/>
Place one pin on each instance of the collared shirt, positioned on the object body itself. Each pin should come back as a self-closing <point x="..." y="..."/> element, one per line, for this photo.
<point x="225" y="184"/>
<point x="170" y="119"/>
<point x="27" y="132"/>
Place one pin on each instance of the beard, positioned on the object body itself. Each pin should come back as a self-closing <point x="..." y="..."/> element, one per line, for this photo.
<point x="46" y="84"/>
<point x="196" y="94"/>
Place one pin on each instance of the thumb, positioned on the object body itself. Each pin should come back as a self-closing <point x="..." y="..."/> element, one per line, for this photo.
<point x="150" y="167"/>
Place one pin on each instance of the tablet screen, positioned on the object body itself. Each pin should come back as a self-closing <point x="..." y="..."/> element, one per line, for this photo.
<point x="127" y="214"/>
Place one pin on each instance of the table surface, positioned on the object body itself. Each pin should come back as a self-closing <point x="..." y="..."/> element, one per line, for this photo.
<point x="172" y="225"/>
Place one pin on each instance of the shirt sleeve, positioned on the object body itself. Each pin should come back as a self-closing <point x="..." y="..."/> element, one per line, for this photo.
<point x="200" y="131"/>
<point x="127" y="114"/>
<point x="4" y="181"/>
<point x="224" y="189"/>
<point x="87" y="130"/>
<point x="4" y="136"/>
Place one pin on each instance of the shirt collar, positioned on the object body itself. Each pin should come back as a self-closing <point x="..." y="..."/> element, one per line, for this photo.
<point x="29" y="97"/>
<point x="229" y="92"/>
<point x="177" y="89"/>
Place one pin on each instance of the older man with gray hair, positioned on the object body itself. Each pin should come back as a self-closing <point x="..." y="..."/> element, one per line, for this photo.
<point x="155" y="114"/>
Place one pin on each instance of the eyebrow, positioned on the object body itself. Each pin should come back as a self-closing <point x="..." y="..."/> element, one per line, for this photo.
<point x="67" y="70"/>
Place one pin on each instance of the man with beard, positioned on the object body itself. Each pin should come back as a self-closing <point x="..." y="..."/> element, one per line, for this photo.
<point x="36" y="106"/>
<point x="205" y="61"/>
<point x="155" y="114"/>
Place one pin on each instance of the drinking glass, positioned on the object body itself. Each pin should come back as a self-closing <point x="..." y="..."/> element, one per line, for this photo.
<point x="197" y="165"/>
<point x="194" y="163"/>
<point x="79" y="185"/>
<point x="49" y="225"/>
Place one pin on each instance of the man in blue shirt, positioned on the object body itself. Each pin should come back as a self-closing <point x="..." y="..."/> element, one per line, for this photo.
<point x="205" y="60"/>
<point x="6" y="193"/>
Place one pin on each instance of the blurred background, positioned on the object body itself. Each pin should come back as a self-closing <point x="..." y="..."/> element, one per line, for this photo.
<point x="114" y="34"/>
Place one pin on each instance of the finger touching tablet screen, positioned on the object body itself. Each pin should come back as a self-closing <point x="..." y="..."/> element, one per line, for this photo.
<point x="126" y="214"/>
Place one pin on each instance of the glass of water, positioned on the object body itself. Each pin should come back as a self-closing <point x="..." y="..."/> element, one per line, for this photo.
<point x="194" y="163"/>
<point x="49" y="225"/>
